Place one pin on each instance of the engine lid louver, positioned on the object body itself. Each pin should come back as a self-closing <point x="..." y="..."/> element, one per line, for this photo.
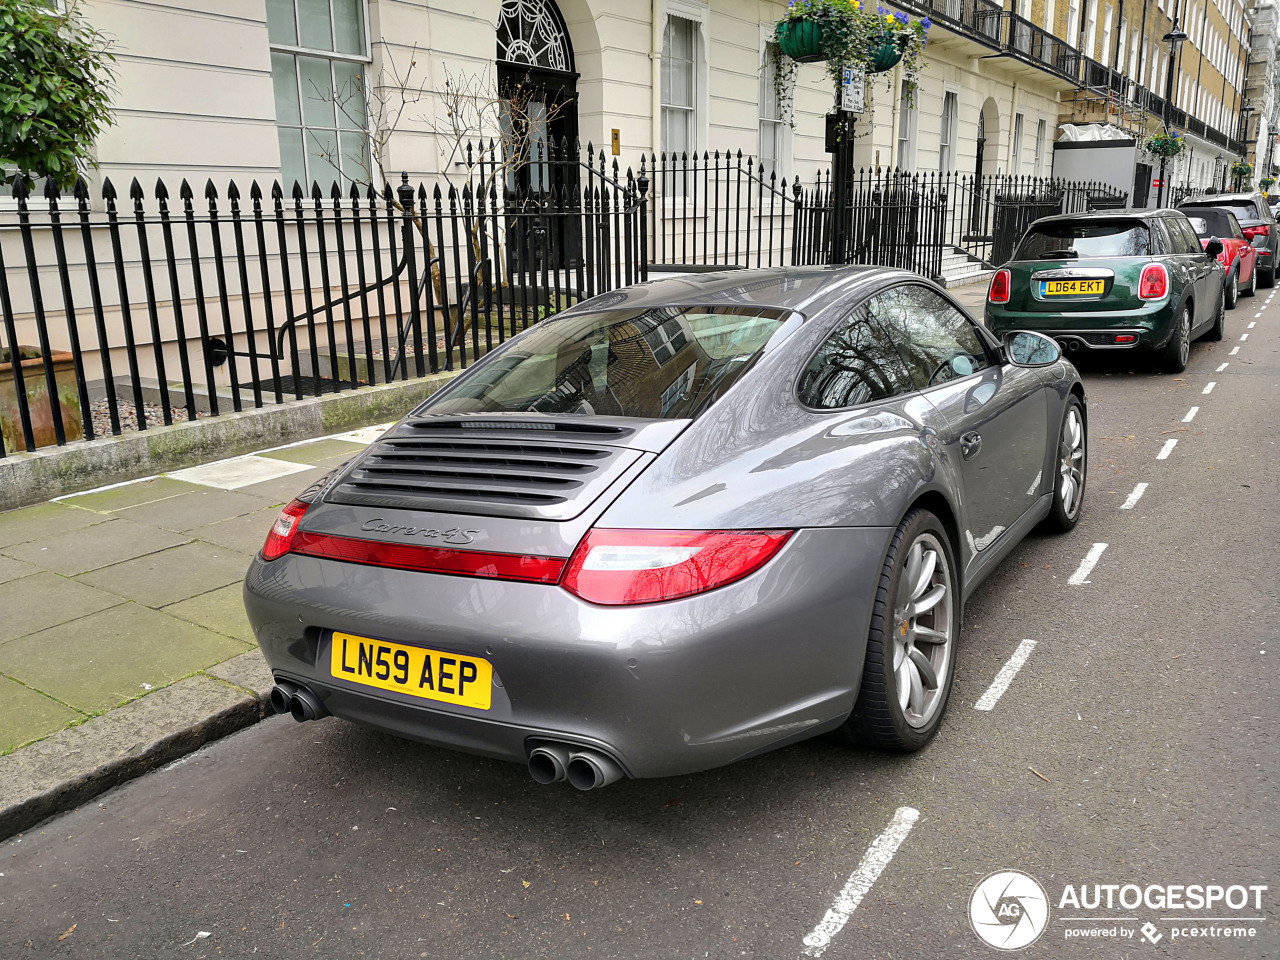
<point x="505" y="467"/>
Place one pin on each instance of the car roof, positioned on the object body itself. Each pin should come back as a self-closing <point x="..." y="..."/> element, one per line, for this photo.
<point x="799" y="289"/>
<point x="1210" y="199"/>
<point x="1121" y="213"/>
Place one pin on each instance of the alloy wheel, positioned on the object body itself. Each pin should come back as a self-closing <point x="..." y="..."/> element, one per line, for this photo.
<point x="923" y="630"/>
<point x="1071" y="453"/>
<point x="1184" y="335"/>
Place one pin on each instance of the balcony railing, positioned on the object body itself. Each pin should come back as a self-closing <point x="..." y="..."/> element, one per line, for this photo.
<point x="980" y="20"/>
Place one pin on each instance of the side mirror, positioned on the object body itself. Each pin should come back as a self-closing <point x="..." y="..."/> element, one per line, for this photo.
<point x="1213" y="248"/>
<point x="1024" y="348"/>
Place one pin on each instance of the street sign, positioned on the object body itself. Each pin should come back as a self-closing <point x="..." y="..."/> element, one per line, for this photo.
<point x="853" y="81"/>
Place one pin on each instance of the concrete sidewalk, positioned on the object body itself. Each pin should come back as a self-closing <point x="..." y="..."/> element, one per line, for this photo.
<point x="123" y="639"/>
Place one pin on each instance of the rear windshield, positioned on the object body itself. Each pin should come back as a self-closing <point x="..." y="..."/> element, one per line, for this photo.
<point x="1092" y="238"/>
<point x="1212" y="222"/>
<point x="667" y="362"/>
<point x="1243" y="209"/>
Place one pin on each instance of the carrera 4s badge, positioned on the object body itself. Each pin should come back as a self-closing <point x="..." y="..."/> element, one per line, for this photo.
<point x="455" y="535"/>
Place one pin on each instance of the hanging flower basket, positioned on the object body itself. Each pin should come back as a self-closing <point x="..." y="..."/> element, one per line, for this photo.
<point x="1165" y="145"/>
<point x="801" y="40"/>
<point x="1266" y="182"/>
<point x="1242" y="169"/>
<point x="889" y="54"/>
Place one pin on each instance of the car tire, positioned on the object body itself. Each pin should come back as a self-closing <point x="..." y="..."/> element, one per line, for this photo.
<point x="1233" y="290"/>
<point x="1268" y="277"/>
<point x="1072" y="470"/>
<point x="1219" y="327"/>
<point x="1250" y="290"/>
<point x="910" y="661"/>
<point x="1173" y="357"/>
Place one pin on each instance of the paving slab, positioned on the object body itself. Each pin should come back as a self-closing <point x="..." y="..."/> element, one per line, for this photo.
<point x="237" y="472"/>
<point x="195" y="509"/>
<point x="99" y="661"/>
<point x="313" y="453"/>
<point x="159" y="579"/>
<point x="11" y="569"/>
<point x="79" y="551"/>
<point x="79" y="763"/>
<point x="284" y="489"/>
<point x="46" y="600"/>
<point x="46" y="520"/>
<point x="129" y="494"/>
<point x="27" y="715"/>
<point x="245" y="534"/>
<point x="249" y="670"/>
<point x="221" y="611"/>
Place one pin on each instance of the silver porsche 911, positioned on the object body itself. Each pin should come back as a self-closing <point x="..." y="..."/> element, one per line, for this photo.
<point x="676" y="526"/>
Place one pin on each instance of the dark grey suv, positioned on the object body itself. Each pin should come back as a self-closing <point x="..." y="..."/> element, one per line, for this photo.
<point x="1256" y="220"/>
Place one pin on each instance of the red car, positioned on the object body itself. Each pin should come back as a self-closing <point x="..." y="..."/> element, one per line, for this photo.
<point x="1238" y="255"/>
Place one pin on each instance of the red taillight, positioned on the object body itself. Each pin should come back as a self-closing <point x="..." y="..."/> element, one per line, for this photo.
<point x="1125" y="338"/>
<point x="1154" y="283"/>
<point x="646" y="566"/>
<point x="1263" y="230"/>
<point x="425" y="559"/>
<point x="998" y="292"/>
<point x="282" y="532"/>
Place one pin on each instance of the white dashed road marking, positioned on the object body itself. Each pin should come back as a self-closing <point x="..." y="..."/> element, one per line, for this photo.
<point x="1006" y="675"/>
<point x="1138" y="491"/>
<point x="860" y="881"/>
<point x="1086" y="565"/>
<point x="1234" y="351"/>
<point x="1167" y="448"/>
<point x="1209" y="388"/>
<point x="1244" y="336"/>
<point x="1191" y="415"/>
<point x="1221" y="368"/>
<point x="1252" y="324"/>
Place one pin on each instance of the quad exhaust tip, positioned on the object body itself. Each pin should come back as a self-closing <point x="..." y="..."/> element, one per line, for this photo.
<point x="585" y="769"/>
<point x="297" y="701"/>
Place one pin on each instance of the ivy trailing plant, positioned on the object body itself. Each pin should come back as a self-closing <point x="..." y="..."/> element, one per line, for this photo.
<point x="784" y="81"/>
<point x="1168" y="144"/>
<point x="848" y="33"/>
<point x="55" y="84"/>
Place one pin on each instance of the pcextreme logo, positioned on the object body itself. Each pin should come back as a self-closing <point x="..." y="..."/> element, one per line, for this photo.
<point x="1009" y="910"/>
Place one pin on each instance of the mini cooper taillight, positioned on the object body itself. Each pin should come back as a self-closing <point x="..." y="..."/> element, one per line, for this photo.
<point x="280" y="537"/>
<point x="618" y="567"/>
<point x="998" y="292"/>
<point x="1154" y="283"/>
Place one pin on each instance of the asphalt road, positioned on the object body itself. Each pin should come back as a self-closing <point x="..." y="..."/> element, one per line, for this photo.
<point x="1135" y="745"/>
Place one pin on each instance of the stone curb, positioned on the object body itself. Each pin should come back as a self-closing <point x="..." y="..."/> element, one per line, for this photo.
<point x="77" y="764"/>
<point x="28" y="478"/>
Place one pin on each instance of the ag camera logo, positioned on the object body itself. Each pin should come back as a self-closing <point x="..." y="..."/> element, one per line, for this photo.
<point x="1009" y="910"/>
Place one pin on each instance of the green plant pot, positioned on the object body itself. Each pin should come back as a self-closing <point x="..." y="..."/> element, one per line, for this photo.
<point x="801" y="40"/>
<point x="886" y="56"/>
<point x="38" y="405"/>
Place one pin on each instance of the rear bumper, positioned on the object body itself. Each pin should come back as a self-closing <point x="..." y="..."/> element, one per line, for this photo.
<point x="666" y="689"/>
<point x="1151" y="325"/>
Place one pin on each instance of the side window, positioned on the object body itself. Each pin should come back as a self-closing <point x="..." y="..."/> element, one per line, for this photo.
<point x="1187" y="242"/>
<point x="1160" y="243"/>
<point x="857" y="364"/>
<point x="936" y="341"/>
<point x="1235" y="227"/>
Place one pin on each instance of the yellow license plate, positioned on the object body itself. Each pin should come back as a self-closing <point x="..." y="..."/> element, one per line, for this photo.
<point x="417" y="671"/>
<point x="1071" y="288"/>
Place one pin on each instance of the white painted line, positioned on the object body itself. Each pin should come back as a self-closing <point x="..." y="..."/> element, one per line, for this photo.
<point x="1252" y="324"/>
<point x="1244" y="336"/>
<point x="109" y="486"/>
<point x="1191" y="415"/>
<point x="1087" y="565"/>
<point x="1006" y="674"/>
<point x="1221" y="368"/>
<point x="1210" y="386"/>
<point x="1257" y="315"/>
<point x="1234" y="351"/>
<point x="860" y="881"/>
<point x="1167" y="448"/>
<point x="238" y="472"/>
<point x="1134" y="497"/>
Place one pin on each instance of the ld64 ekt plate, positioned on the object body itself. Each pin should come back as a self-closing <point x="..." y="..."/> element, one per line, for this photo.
<point x="417" y="671"/>
<point x="1072" y="288"/>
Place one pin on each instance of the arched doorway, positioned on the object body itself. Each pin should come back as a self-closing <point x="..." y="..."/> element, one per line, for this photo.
<point x="537" y="83"/>
<point x="987" y="161"/>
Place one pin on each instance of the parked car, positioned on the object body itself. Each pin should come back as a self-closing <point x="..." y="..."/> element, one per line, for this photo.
<point x="677" y="525"/>
<point x="1256" y="220"/>
<point x="1113" y="280"/>
<point x="1239" y="257"/>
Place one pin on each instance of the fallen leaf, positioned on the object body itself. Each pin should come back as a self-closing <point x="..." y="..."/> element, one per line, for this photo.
<point x="698" y="902"/>
<point x="526" y="883"/>
<point x="70" y="931"/>
<point x="512" y="916"/>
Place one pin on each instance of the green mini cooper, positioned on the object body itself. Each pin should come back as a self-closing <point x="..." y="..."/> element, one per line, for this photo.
<point x="1113" y="280"/>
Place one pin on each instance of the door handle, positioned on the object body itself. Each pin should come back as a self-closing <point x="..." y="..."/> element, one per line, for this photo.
<point x="970" y="444"/>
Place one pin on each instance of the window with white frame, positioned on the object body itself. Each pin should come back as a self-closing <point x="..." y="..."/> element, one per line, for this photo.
<point x="1104" y="55"/>
<point x="1073" y="22"/>
<point x="1039" y="159"/>
<point x="1015" y="165"/>
<point x="907" y="125"/>
<point x="773" y="122"/>
<point x="947" y="139"/>
<point x="319" y="62"/>
<point x="679" y="86"/>
<point x="1091" y="30"/>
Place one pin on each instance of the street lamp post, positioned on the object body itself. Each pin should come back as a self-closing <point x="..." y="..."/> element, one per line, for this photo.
<point x="1173" y="38"/>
